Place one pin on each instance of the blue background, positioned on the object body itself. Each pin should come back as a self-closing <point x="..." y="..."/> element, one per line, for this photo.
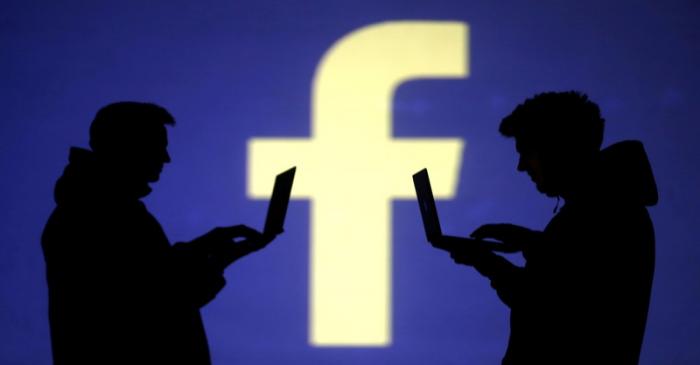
<point x="234" y="70"/>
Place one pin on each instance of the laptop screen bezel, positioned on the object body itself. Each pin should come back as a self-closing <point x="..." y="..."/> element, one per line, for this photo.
<point x="426" y="203"/>
<point x="279" y="202"/>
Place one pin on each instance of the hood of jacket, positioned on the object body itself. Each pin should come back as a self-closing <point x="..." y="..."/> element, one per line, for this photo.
<point x="625" y="174"/>
<point x="85" y="180"/>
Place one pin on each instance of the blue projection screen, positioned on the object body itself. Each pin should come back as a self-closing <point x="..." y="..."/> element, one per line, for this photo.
<point x="358" y="95"/>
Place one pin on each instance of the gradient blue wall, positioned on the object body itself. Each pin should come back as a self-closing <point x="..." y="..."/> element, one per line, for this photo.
<point x="233" y="70"/>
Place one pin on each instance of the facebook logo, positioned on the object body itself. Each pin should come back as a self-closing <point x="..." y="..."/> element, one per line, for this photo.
<point x="351" y="168"/>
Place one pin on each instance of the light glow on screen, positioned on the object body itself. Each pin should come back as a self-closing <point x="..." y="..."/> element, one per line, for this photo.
<point x="351" y="168"/>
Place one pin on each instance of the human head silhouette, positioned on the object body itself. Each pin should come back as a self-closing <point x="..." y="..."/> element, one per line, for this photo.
<point x="558" y="136"/>
<point x="130" y="139"/>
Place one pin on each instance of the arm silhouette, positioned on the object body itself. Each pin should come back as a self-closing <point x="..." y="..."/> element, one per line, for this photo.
<point x="506" y="278"/>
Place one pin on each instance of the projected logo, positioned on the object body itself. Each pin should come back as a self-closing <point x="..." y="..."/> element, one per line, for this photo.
<point x="351" y="168"/>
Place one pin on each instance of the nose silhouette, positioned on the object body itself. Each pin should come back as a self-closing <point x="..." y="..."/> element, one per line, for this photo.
<point x="166" y="157"/>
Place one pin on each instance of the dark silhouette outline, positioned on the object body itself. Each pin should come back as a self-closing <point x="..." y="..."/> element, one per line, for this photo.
<point x="583" y="295"/>
<point x="119" y="292"/>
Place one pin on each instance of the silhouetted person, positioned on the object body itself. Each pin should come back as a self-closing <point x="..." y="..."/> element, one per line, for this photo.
<point x="119" y="293"/>
<point x="583" y="295"/>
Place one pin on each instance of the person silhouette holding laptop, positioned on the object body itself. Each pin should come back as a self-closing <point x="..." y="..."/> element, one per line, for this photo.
<point x="119" y="292"/>
<point x="583" y="295"/>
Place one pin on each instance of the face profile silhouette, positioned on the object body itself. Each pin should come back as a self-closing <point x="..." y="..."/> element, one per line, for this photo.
<point x="558" y="136"/>
<point x="130" y="140"/>
<point x="530" y="163"/>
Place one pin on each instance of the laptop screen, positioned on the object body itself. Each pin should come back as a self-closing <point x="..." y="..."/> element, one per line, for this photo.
<point x="428" y="211"/>
<point x="277" y="210"/>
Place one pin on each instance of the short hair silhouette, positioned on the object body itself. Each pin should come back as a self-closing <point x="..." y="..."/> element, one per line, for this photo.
<point x="126" y="122"/>
<point x="556" y="122"/>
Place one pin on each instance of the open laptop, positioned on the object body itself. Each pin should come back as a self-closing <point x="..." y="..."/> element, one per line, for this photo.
<point x="277" y="210"/>
<point x="426" y="201"/>
<point x="431" y="221"/>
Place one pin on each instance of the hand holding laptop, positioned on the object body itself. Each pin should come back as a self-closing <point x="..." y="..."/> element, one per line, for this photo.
<point x="221" y="244"/>
<point x="224" y="245"/>
<point x="222" y="237"/>
<point x="465" y="244"/>
<point x="510" y="235"/>
<point x="433" y="232"/>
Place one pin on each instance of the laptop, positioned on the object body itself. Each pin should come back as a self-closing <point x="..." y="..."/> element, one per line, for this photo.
<point x="277" y="210"/>
<point x="431" y="221"/>
<point x="426" y="201"/>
